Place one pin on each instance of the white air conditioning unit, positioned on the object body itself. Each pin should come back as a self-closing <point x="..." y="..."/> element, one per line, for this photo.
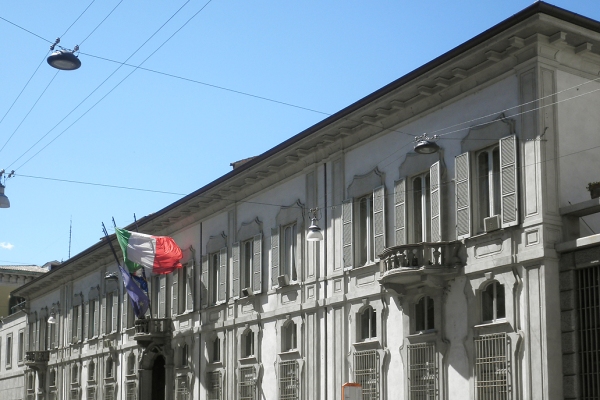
<point x="283" y="280"/>
<point x="246" y="292"/>
<point x="491" y="223"/>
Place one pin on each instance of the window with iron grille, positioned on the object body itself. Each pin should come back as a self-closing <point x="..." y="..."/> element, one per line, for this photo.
<point x="74" y="394"/>
<point x="366" y="373"/>
<point x="91" y="393"/>
<point x="53" y="395"/>
<point x="247" y="383"/>
<point x="289" y="380"/>
<point x="423" y="372"/>
<point x="492" y="367"/>
<point x="109" y="392"/>
<point x="214" y="389"/>
<point x="131" y="391"/>
<point x="589" y="328"/>
<point x="183" y="391"/>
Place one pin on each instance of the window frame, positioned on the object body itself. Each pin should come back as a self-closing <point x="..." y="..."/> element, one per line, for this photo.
<point x="289" y="337"/>
<point x="495" y="304"/>
<point x="424" y="205"/>
<point x="369" y="315"/>
<point x="8" y="351"/>
<point x="214" y="262"/>
<point x="492" y="199"/>
<point x="428" y="315"/>
<point x="246" y="264"/>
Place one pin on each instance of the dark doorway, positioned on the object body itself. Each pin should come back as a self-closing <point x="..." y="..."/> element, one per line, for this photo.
<point x="158" y="379"/>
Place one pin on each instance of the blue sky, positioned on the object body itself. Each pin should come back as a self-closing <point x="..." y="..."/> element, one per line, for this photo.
<point x="160" y="133"/>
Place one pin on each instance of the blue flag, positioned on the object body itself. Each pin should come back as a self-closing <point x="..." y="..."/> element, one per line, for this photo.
<point x="139" y="300"/>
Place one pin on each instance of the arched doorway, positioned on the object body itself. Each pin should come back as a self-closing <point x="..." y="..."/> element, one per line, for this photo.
<point x="158" y="378"/>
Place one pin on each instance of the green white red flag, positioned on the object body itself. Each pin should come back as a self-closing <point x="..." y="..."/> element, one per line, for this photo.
<point x="158" y="253"/>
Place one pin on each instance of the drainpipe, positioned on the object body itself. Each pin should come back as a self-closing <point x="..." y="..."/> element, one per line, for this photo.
<point x="325" y="281"/>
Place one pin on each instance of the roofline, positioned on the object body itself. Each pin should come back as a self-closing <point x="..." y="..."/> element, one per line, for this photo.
<point x="539" y="7"/>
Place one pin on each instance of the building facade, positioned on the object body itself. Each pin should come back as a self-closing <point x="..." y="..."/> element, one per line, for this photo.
<point x="466" y="272"/>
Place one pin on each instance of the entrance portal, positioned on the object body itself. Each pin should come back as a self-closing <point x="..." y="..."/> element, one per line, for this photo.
<point x="158" y="379"/>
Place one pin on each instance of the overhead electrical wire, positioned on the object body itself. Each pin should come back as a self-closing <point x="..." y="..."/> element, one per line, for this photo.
<point x="101" y="22"/>
<point x="77" y="19"/>
<point x="101" y="84"/>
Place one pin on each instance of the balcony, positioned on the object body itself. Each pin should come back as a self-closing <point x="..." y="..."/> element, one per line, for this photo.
<point x="152" y="330"/>
<point x="420" y="264"/>
<point x="37" y="360"/>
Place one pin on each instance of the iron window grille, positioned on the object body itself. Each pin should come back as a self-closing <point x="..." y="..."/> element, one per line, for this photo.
<point x="183" y="391"/>
<point x="74" y="394"/>
<point x="109" y="392"/>
<point x="247" y="383"/>
<point x="131" y="391"/>
<point x="289" y="380"/>
<point x="492" y="367"/>
<point x="423" y="371"/>
<point x="366" y="373"/>
<point x="215" y="390"/>
<point x="589" y="329"/>
<point x="91" y="393"/>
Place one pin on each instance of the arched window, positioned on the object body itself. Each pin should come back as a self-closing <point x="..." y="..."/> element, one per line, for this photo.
<point x="109" y="367"/>
<point x="424" y="317"/>
<point x="216" y="350"/>
<point x="75" y="374"/>
<point x="91" y="371"/>
<point x="131" y="364"/>
<point x="368" y="323"/>
<point x="290" y="335"/>
<point x="248" y="344"/>
<point x="492" y="302"/>
<point x="184" y="355"/>
<point x="52" y="378"/>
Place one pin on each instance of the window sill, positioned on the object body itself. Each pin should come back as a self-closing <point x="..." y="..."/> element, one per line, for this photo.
<point x="423" y="334"/>
<point x="367" y="344"/>
<point x="367" y="265"/>
<point x="216" y="364"/>
<point x="248" y="360"/>
<point x="292" y="284"/>
<point x="292" y="352"/>
<point x="131" y="376"/>
<point x="500" y="325"/>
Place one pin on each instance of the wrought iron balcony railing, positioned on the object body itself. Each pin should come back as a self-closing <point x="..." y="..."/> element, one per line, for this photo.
<point x="150" y="330"/>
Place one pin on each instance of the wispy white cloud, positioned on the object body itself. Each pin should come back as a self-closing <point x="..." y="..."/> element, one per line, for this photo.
<point x="7" y="246"/>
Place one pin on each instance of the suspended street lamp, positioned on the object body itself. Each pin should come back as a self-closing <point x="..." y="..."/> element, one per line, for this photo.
<point x="426" y="144"/>
<point x="4" y="202"/>
<point x="314" y="231"/>
<point x="63" y="59"/>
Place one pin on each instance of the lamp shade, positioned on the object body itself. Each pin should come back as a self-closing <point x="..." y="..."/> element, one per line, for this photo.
<point x="4" y="202"/>
<point x="51" y="319"/>
<point x="64" y="60"/>
<point x="426" y="147"/>
<point x="314" y="233"/>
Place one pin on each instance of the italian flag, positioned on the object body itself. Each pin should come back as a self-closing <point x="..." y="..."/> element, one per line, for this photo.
<point x="158" y="253"/>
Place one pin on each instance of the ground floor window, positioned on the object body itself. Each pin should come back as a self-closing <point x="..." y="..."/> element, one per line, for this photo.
<point x="91" y="393"/>
<point x="289" y="388"/>
<point x="109" y="392"/>
<point x="247" y="383"/>
<point x="589" y="330"/>
<point x="366" y="373"/>
<point x="492" y="367"/>
<point x="422" y="371"/>
<point x="131" y="391"/>
<point x="183" y="390"/>
<point x="214" y="391"/>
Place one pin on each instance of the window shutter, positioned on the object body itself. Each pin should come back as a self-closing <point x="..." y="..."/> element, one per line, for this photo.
<point x="235" y="267"/>
<point x="69" y="329"/>
<point x="275" y="256"/>
<point x="204" y="282"/>
<point x="509" y="181"/>
<point x="103" y="315"/>
<point x="35" y="333"/>
<point x="87" y="319"/>
<point x="222" y="293"/>
<point x="435" y="186"/>
<point x="400" y="211"/>
<point x="126" y="301"/>
<point x="189" y="286"/>
<point x="175" y="292"/>
<point x="115" y="312"/>
<point x="463" y="196"/>
<point x="162" y="296"/>
<point x="257" y="264"/>
<point x="378" y="221"/>
<point x="80" y="322"/>
<point x="347" y="233"/>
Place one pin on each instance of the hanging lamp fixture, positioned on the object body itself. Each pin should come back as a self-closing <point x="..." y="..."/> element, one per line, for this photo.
<point x="314" y="231"/>
<point x="4" y="202"/>
<point x="63" y="59"/>
<point x="426" y="144"/>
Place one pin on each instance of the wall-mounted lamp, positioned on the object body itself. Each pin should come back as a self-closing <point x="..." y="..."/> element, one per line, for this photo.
<point x="52" y="318"/>
<point x="314" y="232"/>
<point x="426" y="144"/>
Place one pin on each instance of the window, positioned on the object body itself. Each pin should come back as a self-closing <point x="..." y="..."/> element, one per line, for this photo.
<point x="8" y="350"/>
<point x="91" y="371"/>
<point x="289" y="388"/>
<point x="92" y="318"/>
<point x="109" y="373"/>
<point x="74" y="394"/>
<point x="52" y="378"/>
<point x="246" y="267"/>
<point x="75" y="374"/>
<point x="423" y="371"/>
<point x="21" y="345"/>
<point x="247" y="385"/>
<point x="75" y="324"/>
<point x="131" y="364"/>
<point x="112" y="311"/>
<point x="183" y="391"/>
<point x="364" y="233"/>
<point x="109" y="392"/>
<point x="181" y="290"/>
<point x="214" y="277"/>
<point x="494" y="191"/>
<point x="588" y="293"/>
<point x="248" y="344"/>
<point x="131" y="391"/>
<point x="366" y="373"/>
<point x="368" y="324"/>
<point x="492" y="302"/>
<point x="91" y="393"/>
<point x="216" y="350"/>
<point x="159" y="283"/>
<point x="421" y="209"/>
<point x="424" y="314"/>
<point x="288" y="256"/>
<point x="488" y="184"/>
<point x="184" y="356"/>
<point x="492" y="369"/>
<point x="214" y="390"/>
<point x="290" y="337"/>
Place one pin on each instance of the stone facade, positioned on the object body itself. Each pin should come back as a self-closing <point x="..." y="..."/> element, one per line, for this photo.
<point x="438" y="276"/>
